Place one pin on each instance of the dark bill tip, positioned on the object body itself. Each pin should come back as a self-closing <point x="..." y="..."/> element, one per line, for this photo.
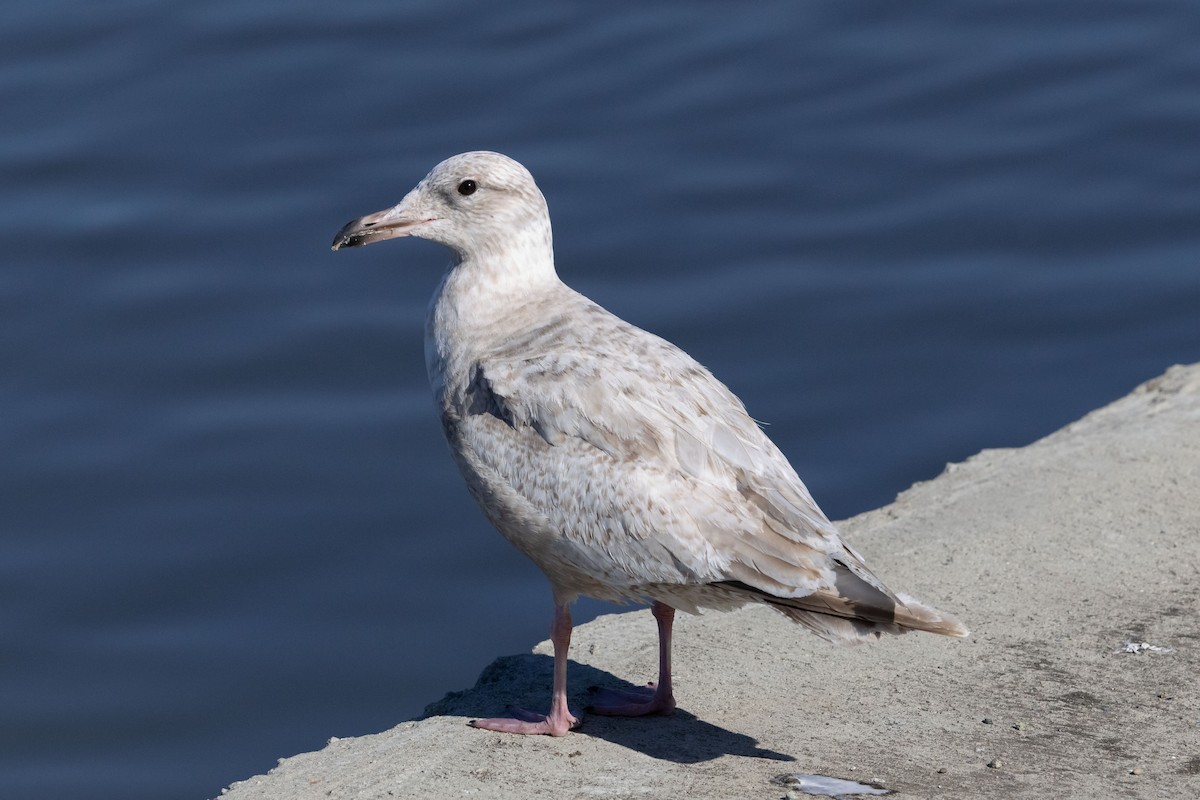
<point x="352" y="234"/>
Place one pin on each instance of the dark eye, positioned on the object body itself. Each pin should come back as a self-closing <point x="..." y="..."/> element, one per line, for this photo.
<point x="467" y="187"/>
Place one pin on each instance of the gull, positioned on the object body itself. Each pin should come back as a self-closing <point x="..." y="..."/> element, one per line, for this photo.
<point x="611" y="458"/>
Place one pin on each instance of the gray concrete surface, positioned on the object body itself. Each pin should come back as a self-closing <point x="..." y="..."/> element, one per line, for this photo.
<point x="1056" y="555"/>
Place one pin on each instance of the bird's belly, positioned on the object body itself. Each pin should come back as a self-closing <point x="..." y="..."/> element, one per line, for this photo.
<point x="591" y="523"/>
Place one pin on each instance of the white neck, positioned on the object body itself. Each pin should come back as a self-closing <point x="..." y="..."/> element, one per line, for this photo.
<point x="482" y="302"/>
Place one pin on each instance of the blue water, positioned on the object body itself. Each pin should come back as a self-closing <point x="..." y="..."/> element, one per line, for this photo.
<point x="229" y="528"/>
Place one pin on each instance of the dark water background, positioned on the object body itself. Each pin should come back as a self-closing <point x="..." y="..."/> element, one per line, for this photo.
<point x="229" y="528"/>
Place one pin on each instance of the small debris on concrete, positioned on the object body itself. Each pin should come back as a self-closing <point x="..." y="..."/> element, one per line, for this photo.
<point x="995" y="763"/>
<point x="801" y="783"/>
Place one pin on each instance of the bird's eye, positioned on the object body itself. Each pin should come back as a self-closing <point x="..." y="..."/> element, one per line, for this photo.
<point x="467" y="187"/>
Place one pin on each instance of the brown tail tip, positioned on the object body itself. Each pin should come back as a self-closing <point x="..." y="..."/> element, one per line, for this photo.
<point x="916" y="615"/>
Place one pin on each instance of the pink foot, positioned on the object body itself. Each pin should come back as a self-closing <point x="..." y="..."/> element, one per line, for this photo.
<point x="530" y="723"/>
<point x="560" y="720"/>
<point x="639" y="702"/>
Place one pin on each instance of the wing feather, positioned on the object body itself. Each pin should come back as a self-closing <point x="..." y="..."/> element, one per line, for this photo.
<point x="745" y="515"/>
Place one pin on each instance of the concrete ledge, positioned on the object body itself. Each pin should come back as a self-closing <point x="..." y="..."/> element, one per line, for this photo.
<point x="1056" y="555"/>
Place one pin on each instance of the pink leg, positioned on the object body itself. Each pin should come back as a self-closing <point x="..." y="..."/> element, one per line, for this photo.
<point x="652" y="699"/>
<point x="559" y="720"/>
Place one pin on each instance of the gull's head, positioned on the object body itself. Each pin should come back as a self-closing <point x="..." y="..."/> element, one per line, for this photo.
<point x="473" y="203"/>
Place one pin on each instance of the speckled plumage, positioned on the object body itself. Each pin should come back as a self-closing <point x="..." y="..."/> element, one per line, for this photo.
<point x="610" y="457"/>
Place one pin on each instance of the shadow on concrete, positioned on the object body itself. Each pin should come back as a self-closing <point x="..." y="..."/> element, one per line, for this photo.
<point x="525" y="681"/>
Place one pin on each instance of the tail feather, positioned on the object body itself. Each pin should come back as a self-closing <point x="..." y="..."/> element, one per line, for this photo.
<point x="856" y="612"/>
<point x="915" y="615"/>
